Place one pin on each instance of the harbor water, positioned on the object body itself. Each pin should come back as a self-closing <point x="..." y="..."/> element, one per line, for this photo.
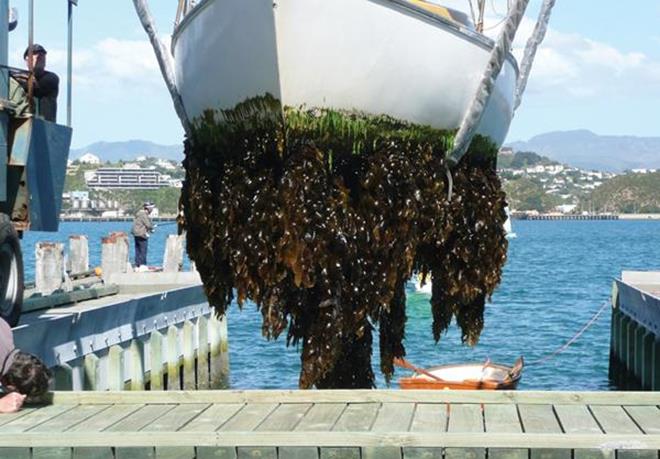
<point x="558" y="275"/>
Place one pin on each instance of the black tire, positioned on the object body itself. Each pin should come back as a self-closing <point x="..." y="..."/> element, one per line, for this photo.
<point x="11" y="272"/>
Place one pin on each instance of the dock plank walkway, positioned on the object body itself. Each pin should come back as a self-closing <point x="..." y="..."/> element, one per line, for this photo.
<point x="336" y="424"/>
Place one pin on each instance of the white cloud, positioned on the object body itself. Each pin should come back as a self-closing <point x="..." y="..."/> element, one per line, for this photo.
<point x="110" y="69"/>
<point x="572" y="64"/>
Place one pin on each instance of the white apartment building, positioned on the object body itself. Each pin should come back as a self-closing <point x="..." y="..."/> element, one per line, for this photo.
<point x="126" y="179"/>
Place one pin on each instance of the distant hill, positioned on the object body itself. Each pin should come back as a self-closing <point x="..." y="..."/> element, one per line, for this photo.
<point x="586" y="150"/>
<point x="522" y="159"/>
<point x="630" y="193"/>
<point x="128" y="151"/>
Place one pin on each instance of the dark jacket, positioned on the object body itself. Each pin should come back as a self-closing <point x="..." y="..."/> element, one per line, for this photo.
<point x="142" y="225"/>
<point x="45" y="88"/>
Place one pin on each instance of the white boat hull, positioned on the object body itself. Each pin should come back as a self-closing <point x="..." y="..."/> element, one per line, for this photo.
<point x="373" y="56"/>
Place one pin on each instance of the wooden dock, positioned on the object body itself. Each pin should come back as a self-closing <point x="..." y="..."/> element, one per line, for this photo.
<point x="125" y="330"/>
<point x="336" y="424"/>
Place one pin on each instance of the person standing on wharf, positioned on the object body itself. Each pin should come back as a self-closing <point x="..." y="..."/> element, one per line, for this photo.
<point x="142" y="227"/>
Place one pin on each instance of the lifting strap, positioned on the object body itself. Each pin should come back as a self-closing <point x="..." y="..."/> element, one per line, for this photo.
<point x="165" y="61"/>
<point x="530" y="49"/>
<point x="498" y="56"/>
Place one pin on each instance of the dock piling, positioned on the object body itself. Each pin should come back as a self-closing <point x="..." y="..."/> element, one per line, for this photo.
<point x="173" y="257"/>
<point x="173" y="354"/>
<point x="155" y="360"/>
<point x="114" y="254"/>
<point x="188" y="356"/>
<point x="49" y="267"/>
<point x="78" y="261"/>
<point x="203" y="381"/>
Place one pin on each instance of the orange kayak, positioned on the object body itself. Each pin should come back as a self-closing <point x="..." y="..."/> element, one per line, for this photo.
<point x="469" y="376"/>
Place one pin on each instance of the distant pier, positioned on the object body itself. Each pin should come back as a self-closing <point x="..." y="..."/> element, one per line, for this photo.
<point x="125" y="218"/>
<point x="635" y="336"/>
<point x="558" y="216"/>
<point x="520" y="216"/>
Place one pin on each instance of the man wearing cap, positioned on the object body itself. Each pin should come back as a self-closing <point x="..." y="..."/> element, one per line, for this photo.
<point x="22" y="375"/>
<point x="45" y="84"/>
<point x="142" y="227"/>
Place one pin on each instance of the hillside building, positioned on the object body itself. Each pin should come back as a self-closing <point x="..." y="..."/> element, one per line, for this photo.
<point x="89" y="158"/>
<point x="127" y="178"/>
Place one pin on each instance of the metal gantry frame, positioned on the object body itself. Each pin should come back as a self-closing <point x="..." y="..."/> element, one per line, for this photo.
<point x="69" y="61"/>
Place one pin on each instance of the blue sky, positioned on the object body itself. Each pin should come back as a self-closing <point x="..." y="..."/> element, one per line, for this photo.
<point x="599" y="68"/>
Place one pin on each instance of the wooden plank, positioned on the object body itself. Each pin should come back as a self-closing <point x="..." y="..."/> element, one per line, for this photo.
<point x="391" y="417"/>
<point x="15" y="453"/>
<point x="615" y="420"/>
<point x="176" y="452"/>
<point x="541" y="419"/>
<point x="646" y="417"/>
<point x="52" y="453"/>
<point x="69" y="419"/>
<point x="97" y="423"/>
<point x="298" y="452"/>
<point x="34" y="418"/>
<point x="578" y="419"/>
<point x="106" y="418"/>
<point x="135" y="453"/>
<point x="363" y="396"/>
<point x="8" y="417"/>
<point x="249" y="417"/>
<point x="257" y="453"/>
<point x="93" y="453"/>
<point x="212" y="418"/>
<point x="428" y="417"/>
<point x="340" y="453"/>
<point x="141" y="418"/>
<point x="328" y="439"/>
<point x="321" y="417"/>
<point x="465" y="418"/>
<point x="357" y="417"/>
<point x="503" y="419"/>
<point x="423" y="453"/>
<point x="174" y="419"/>
<point x="211" y="452"/>
<point x="285" y="417"/>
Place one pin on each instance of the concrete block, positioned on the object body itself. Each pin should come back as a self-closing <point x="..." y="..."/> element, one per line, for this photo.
<point x="49" y="267"/>
<point x="173" y="258"/>
<point x="114" y="254"/>
<point x="78" y="261"/>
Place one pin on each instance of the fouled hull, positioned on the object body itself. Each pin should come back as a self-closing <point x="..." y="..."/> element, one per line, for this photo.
<point x="378" y="57"/>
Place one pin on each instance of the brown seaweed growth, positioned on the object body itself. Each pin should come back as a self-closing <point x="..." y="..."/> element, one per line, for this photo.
<point x="321" y="217"/>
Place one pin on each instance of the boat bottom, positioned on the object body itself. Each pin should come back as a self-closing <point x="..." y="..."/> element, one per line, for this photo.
<point x="320" y="217"/>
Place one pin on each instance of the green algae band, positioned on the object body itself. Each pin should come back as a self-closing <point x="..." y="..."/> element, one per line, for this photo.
<point x="321" y="217"/>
